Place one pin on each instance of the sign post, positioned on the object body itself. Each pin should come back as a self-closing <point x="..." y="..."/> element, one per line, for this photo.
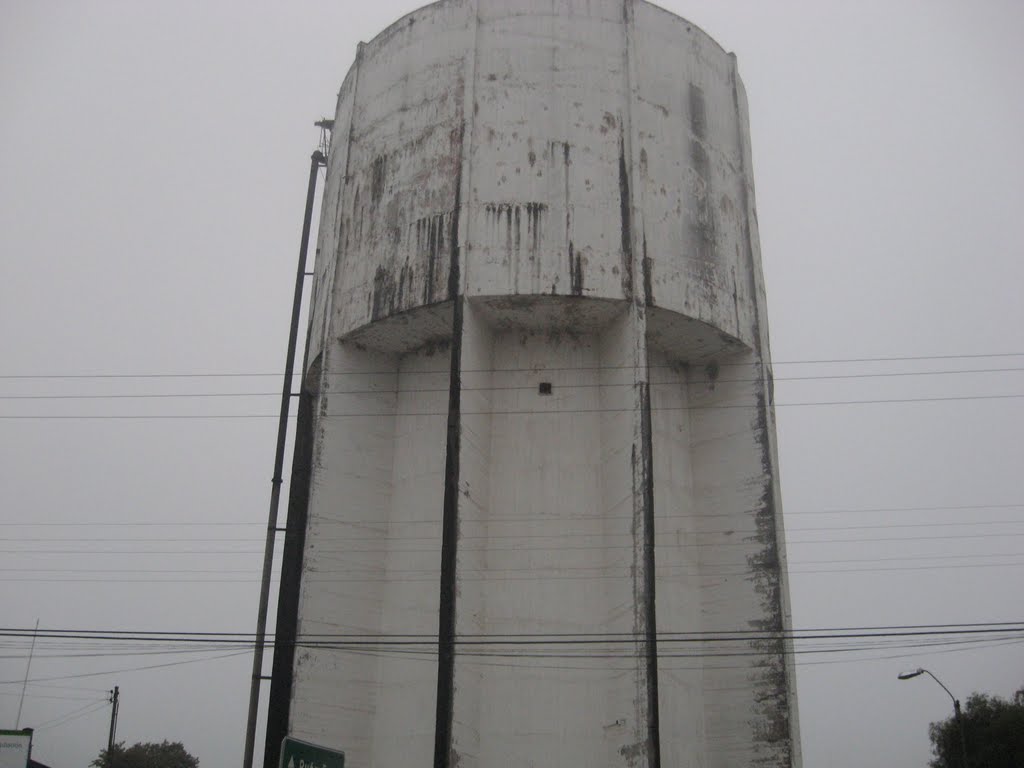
<point x="301" y="754"/>
<point x="15" y="748"/>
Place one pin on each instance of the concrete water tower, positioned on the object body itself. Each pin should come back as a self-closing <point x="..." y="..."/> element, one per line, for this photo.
<point x="536" y="469"/>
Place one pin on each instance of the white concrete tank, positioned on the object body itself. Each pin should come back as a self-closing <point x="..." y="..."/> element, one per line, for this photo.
<point x="537" y="471"/>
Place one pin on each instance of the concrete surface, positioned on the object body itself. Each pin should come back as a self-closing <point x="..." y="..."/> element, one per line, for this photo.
<point x="527" y="192"/>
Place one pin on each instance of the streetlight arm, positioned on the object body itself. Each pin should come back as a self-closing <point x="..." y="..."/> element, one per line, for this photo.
<point x="956" y="707"/>
<point x="956" y="704"/>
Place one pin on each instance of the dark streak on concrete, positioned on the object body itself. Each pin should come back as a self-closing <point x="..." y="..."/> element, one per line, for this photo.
<point x="513" y="215"/>
<point x="450" y="513"/>
<point x="430" y="245"/>
<point x="703" y="225"/>
<point x="698" y="112"/>
<point x="404" y="276"/>
<point x="357" y="215"/>
<point x="516" y="234"/>
<point x="608" y="123"/>
<point x="648" y="268"/>
<point x="383" y="295"/>
<point x="650" y="615"/>
<point x="534" y="212"/>
<point x="575" y="263"/>
<point x="624" y="215"/>
<point x="453" y="235"/>
<point x="575" y="273"/>
<point x="736" y="298"/>
<point x="380" y="166"/>
<point x="771" y="686"/>
<point x="711" y="371"/>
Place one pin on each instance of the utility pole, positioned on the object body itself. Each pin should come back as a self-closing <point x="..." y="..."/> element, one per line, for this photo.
<point x="114" y="697"/>
<point x="958" y="716"/>
<point x="316" y="160"/>
<point x="960" y="726"/>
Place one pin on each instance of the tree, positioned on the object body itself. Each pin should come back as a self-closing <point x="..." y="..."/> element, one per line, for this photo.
<point x="993" y="729"/>
<point x="167" y="754"/>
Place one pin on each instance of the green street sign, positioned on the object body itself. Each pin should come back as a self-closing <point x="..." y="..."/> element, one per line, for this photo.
<point x="301" y="754"/>
<point x="15" y="747"/>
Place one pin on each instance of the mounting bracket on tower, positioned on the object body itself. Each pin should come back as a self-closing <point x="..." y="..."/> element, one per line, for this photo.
<point x="326" y="126"/>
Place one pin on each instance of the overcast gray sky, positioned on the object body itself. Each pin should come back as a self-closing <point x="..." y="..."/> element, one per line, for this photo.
<point x="153" y="160"/>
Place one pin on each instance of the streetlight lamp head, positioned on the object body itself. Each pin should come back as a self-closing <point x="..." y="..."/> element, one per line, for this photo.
<point x="908" y="675"/>
<point x="956" y="706"/>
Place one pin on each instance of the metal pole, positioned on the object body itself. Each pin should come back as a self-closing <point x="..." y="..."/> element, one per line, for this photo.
<point x="316" y="160"/>
<point x="957" y="716"/>
<point x="963" y="735"/>
<point x="114" y="698"/>
<point x="956" y="708"/>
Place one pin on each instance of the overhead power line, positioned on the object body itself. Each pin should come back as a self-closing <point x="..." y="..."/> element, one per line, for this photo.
<point x="75" y="714"/>
<point x="46" y="696"/>
<point x="499" y="576"/>
<point x="551" y="573"/>
<point x="238" y="374"/>
<point x="525" y="518"/>
<point x="81" y="675"/>
<point x="791" y="562"/>
<point x="381" y="539"/>
<point x="526" y="638"/>
<point x="506" y="412"/>
<point x="708" y="645"/>
<point x="522" y="387"/>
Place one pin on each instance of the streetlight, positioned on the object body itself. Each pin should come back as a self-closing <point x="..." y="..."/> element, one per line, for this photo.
<point x="956" y="707"/>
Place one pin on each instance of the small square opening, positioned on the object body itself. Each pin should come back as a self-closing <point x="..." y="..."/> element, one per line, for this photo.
<point x="544" y="388"/>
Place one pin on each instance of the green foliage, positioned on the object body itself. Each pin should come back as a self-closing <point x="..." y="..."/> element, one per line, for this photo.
<point x="167" y="754"/>
<point x="994" y="731"/>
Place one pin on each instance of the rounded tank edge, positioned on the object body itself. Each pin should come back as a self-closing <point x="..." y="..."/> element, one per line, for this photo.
<point x="689" y="24"/>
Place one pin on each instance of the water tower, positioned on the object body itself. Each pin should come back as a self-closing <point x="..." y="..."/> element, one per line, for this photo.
<point x="536" y="480"/>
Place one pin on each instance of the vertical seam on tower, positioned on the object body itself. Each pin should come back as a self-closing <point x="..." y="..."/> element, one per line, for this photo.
<point x="449" y="521"/>
<point x="638" y="289"/>
<point x="445" y="706"/>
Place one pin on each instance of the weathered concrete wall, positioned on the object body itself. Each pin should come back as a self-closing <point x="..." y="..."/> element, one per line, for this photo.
<point x="574" y="136"/>
<point x="528" y="192"/>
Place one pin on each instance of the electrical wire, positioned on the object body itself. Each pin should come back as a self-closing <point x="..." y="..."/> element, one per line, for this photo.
<point x="572" y="386"/>
<point x="505" y="412"/>
<point x="818" y="361"/>
<point x="524" y="518"/>
<point x="525" y="648"/>
<point x="575" y="536"/>
<point x="44" y="696"/>
<point x="81" y="675"/>
<point x="338" y="555"/>
<point x="88" y="709"/>
<point x="814" y="633"/>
